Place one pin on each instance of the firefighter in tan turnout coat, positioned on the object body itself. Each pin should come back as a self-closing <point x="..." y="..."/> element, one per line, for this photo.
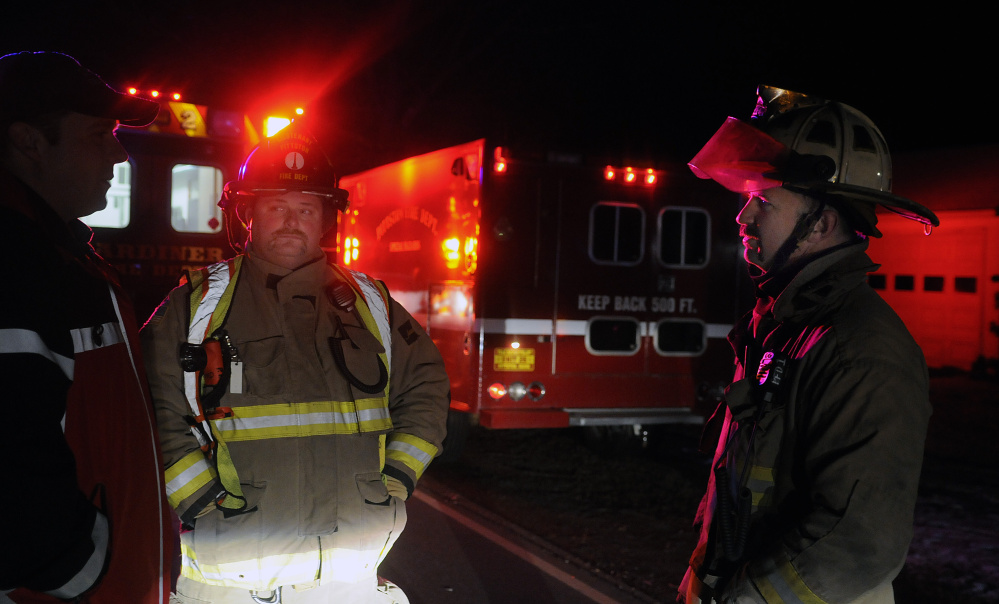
<point x="821" y="433"/>
<point x="298" y="403"/>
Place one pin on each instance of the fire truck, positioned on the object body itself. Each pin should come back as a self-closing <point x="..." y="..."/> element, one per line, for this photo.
<point x="560" y="291"/>
<point x="161" y="217"/>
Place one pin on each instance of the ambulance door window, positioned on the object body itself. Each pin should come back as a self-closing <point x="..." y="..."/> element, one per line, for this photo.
<point x="680" y="337"/>
<point x="118" y="212"/>
<point x="613" y="336"/>
<point x="194" y="195"/>
<point x="684" y="237"/>
<point x="617" y="233"/>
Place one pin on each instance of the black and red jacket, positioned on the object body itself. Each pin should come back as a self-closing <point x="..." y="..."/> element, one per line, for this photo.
<point x="84" y="512"/>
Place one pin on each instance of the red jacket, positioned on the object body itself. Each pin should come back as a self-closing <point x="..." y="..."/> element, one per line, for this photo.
<point x="85" y="508"/>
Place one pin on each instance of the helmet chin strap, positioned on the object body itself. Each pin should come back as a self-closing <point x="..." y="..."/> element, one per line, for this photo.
<point x="233" y="222"/>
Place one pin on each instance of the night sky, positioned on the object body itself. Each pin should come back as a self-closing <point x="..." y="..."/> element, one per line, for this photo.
<point x="381" y="80"/>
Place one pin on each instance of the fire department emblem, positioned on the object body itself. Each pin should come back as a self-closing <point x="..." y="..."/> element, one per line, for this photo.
<point x="294" y="160"/>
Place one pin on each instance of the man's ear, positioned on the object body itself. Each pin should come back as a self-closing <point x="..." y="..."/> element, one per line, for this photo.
<point x="826" y="226"/>
<point x="27" y="139"/>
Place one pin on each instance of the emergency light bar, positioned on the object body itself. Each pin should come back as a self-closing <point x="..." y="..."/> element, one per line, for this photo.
<point x="629" y="175"/>
<point x="153" y="93"/>
<point x="272" y="124"/>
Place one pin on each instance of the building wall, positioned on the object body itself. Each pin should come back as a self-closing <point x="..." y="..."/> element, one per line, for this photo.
<point x="943" y="285"/>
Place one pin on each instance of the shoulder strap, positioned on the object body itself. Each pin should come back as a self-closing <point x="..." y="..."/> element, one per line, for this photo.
<point x="375" y="308"/>
<point x="211" y="295"/>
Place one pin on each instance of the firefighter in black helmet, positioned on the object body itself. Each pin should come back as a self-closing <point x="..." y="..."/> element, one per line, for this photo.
<point x="291" y="160"/>
<point x="305" y="407"/>
<point x="820" y="435"/>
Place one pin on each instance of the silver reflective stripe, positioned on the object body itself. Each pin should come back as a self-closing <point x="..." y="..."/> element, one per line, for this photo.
<point x="91" y="571"/>
<point x="376" y="304"/>
<point x="215" y="284"/>
<point x="417" y="454"/>
<point x="238" y="423"/>
<point x="98" y="336"/>
<point x="520" y="326"/>
<point x="188" y="475"/>
<point x="23" y="341"/>
<point x="783" y="589"/>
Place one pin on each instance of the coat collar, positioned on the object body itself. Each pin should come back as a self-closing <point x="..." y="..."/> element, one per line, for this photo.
<point x="818" y="283"/>
<point x="310" y="279"/>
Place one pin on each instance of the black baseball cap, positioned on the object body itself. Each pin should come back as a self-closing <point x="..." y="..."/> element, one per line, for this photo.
<point x="35" y="83"/>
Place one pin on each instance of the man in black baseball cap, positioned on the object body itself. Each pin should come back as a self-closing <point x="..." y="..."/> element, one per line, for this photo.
<point x="36" y="83"/>
<point x="52" y="95"/>
<point x="87" y="514"/>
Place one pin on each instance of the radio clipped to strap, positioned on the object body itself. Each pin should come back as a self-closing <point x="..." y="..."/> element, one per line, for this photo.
<point x="216" y="362"/>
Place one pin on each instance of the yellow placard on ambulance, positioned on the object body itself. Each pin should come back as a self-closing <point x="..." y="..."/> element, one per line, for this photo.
<point x="513" y="359"/>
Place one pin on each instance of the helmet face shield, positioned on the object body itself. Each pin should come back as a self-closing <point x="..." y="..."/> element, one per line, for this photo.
<point x="740" y="158"/>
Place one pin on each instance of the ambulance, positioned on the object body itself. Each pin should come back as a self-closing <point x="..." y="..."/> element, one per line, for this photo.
<point x="562" y="291"/>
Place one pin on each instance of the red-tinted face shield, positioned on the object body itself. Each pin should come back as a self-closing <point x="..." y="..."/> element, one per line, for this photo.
<point x="740" y="158"/>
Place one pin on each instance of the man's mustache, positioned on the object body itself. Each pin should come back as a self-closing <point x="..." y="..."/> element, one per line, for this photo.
<point x="292" y="232"/>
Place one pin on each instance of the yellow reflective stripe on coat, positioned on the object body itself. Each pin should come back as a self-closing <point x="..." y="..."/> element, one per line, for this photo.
<point x="779" y="583"/>
<point x="411" y="451"/>
<point x="315" y="418"/>
<point x="263" y="573"/>
<point x="187" y="476"/>
<point x="761" y="480"/>
<point x="336" y="564"/>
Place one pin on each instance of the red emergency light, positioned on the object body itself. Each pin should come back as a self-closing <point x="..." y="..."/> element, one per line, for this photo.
<point x="153" y="93"/>
<point x="516" y="391"/>
<point x="629" y="175"/>
<point x="500" y="163"/>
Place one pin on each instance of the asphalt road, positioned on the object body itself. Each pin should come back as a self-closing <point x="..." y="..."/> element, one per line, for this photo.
<point x="452" y="551"/>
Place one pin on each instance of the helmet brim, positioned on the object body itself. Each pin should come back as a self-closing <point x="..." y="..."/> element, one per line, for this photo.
<point x="335" y="197"/>
<point x="852" y="194"/>
<point x="237" y="196"/>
